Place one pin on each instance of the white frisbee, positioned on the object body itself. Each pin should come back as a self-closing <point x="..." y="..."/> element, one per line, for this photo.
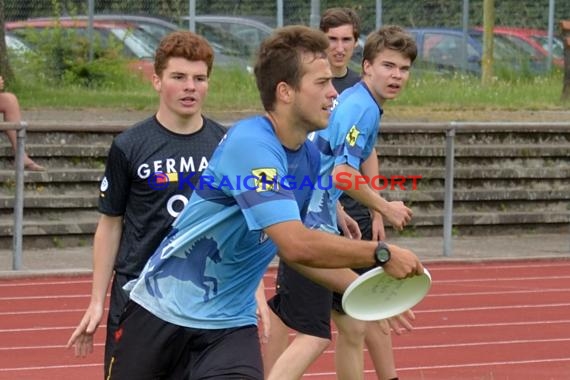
<point x="376" y="295"/>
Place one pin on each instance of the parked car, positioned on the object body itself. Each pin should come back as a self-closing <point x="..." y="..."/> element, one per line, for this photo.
<point x="231" y="37"/>
<point x="135" y="44"/>
<point x="229" y="50"/>
<point x="442" y="49"/>
<point x="511" y="56"/>
<point x="533" y="41"/>
<point x="249" y="31"/>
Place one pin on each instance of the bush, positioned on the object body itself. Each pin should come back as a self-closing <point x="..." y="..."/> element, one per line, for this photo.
<point x="61" y="56"/>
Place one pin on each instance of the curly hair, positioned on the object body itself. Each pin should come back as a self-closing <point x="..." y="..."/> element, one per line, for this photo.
<point x="183" y="44"/>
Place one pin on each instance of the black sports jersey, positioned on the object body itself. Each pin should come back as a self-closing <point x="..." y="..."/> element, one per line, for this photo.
<point x="149" y="176"/>
<point x="348" y="80"/>
<point x="352" y="207"/>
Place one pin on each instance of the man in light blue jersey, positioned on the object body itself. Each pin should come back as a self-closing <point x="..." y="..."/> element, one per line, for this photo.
<point x="348" y="157"/>
<point x="192" y="312"/>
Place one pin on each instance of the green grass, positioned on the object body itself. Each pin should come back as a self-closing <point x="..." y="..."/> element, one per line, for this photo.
<point x="230" y="89"/>
<point x="542" y="92"/>
<point x="234" y="90"/>
<point x="76" y="97"/>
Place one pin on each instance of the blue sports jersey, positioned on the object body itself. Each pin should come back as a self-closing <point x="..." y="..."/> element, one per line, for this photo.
<point x="205" y="273"/>
<point x="349" y="139"/>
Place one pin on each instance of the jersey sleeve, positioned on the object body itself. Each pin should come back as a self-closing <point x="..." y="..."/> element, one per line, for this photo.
<point x="356" y="132"/>
<point x="254" y="172"/>
<point x="115" y="186"/>
<point x="314" y="165"/>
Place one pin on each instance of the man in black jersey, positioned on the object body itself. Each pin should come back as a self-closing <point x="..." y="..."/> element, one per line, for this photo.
<point x="342" y="27"/>
<point x="151" y="171"/>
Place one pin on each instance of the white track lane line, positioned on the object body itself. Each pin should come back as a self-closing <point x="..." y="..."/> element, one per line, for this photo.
<point x="43" y="368"/>
<point x="495" y="265"/>
<point x="15" y="283"/>
<point x="12" y="283"/>
<point x="467" y="365"/>
<point x="485" y="308"/>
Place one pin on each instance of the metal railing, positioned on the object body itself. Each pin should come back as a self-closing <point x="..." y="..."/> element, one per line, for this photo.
<point x="450" y="129"/>
<point x="19" y="195"/>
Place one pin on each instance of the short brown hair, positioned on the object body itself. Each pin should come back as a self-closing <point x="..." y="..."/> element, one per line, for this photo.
<point x="279" y="59"/>
<point x="335" y="17"/>
<point x="391" y="37"/>
<point x="183" y="44"/>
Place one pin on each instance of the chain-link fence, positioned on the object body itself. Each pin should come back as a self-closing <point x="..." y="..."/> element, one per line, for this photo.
<point x="408" y="13"/>
<point x="236" y="44"/>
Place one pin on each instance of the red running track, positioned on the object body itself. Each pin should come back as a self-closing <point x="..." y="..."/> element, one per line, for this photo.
<point x="484" y="321"/>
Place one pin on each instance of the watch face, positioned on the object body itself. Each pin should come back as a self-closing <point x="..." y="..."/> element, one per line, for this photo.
<point x="383" y="254"/>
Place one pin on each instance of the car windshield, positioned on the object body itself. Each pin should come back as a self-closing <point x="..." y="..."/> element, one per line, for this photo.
<point x="141" y="44"/>
<point x="225" y="42"/>
<point x="505" y="49"/>
<point x="249" y="35"/>
<point x="15" y="44"/>
<point x="155" y="30"/>
<point x="557" y="46"/>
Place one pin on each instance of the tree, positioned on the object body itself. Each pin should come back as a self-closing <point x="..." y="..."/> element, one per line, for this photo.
<point x="565" y="27"/>
<point x="488" y="26"/>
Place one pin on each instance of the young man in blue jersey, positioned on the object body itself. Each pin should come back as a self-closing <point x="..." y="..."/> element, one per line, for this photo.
<point x="347" y="153"/>
<point x="150" y="172"/>
<point x="342" y="27"/>
<point x="192" y="310"/>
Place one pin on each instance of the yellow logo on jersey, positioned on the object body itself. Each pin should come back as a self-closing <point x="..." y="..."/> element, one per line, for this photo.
<point x="265" y="179"/>
<point x="352" y="135"/>
<point x="172" y="177"/>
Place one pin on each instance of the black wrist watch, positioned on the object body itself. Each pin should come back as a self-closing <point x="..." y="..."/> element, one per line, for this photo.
<point x="382" y="254"/>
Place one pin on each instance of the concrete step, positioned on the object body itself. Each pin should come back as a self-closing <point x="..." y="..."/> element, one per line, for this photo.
<point x="100" y="149"/>
<point x="66" y="229"/>
<point x="483" y="195"/>
<point x="96" y="149"/>
<point x="78" y="199"/>
<point x="475" y="150"/>
<point x="87" y="197"/>
<point x="52" y="230"/>
<point x="52" y="175"/>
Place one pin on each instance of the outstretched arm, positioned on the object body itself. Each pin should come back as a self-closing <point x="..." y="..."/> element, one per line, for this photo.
<point x="105" y="248"/>
<point x="324" y="250"/>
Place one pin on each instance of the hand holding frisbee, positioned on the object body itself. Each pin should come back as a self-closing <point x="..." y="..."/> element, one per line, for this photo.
<point x="376" y="295"/>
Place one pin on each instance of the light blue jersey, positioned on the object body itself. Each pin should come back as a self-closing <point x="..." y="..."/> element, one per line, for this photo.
<point x="349" y="139"/>
<point x="205" y="273"/>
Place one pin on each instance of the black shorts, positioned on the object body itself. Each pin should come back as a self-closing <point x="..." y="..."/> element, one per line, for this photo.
<point x="150" y="348"/>
<point x="118" y="300"/>
<point x="301" y="304"/>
